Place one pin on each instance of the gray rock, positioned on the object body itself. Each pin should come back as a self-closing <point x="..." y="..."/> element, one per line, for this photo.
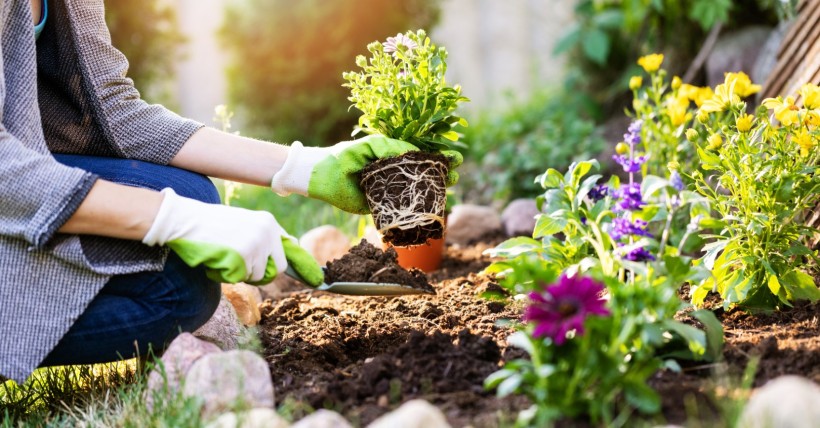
<point x="412" y="414"/>
<point x="785" y="402"/>
<point x="518" y="218"/>
<point x="325" y="243"/>
<point x="175" y="363"/>
<point x="736" y="51"/>
<point x="323" y="419"/>
<point x="224" y="327"/>
<point x="230" y="379"/>
<point x="767" y="57"/>
<point x="468" y="223"/>
<point x="255" y="418"/>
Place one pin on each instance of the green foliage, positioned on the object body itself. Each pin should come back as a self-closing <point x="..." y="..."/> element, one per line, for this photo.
<point x="402" y="93"/>
<point x="762" y="180"/>
<point x="503" y="147"/>
<point x="287" y="60"/>
<point x="608" y="33"/>
<point x="147" y="33"/>
<point x="602" y="373"/>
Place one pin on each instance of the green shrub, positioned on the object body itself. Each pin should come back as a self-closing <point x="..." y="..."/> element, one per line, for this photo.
<point x="507" y="149"/>
<point x="285" y="76"/>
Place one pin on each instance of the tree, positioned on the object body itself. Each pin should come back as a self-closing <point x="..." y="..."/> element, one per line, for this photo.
<point x="287" y="60"/>
<point x="147" y="32"/>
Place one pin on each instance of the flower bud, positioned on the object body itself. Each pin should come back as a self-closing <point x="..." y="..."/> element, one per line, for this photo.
<point x="635" y="82"/>
<point x="744" y="122"/>
<point x="621" y="148"/>
<point x="692" y="134"/>
<point x="361" y="61"/>
<point x="702" y="116"/>
<point x="673" y="165"/>
<point x="676" y="83"/>
<point x="714" y="142"/>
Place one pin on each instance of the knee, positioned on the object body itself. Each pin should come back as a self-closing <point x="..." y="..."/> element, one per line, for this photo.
<point x="194" y="297"/>
<point x="195" y="186"/>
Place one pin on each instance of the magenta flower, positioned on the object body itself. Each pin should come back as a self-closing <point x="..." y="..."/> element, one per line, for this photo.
<point x="392" y="44"/>
<point x="564" y="306"/>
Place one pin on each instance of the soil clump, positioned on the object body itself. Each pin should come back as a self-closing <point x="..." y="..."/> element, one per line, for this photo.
<point x="366" y="263"/>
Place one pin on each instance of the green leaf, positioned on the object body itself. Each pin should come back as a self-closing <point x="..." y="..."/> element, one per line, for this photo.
<point x="509" y="385"/>
<point x="675" y="266"/>
<point x="569" y="40"/>
<point x="514" y="247"/>
<point x="519" y="339"/>
<point x="651" y="184"/>
<point x="596" y="46"/>
<point x="450" y="135"/>
<point x="496" y="378"/>
<point x="611" y="19"/>
<point x="585" y="187"/>
<point x="774" y="284"/>
<point x="694" y="337"/>
<point x="550" y="224"/>
<point x="714" y="333"/>
<point x="643" y="397"/>
<point x="550" y="179"/>
<point x="708" y="160"/>
<point x="579" y="169"/>
<point x="800" y="286"/>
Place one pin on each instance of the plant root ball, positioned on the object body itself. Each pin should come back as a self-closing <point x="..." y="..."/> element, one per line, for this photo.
<point x="407" y="196"/>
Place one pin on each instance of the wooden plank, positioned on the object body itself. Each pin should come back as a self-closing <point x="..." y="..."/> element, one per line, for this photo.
<point x="793" y="62"/>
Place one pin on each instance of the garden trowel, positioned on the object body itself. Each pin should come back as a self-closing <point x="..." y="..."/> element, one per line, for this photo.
<point x="361" y="288"/>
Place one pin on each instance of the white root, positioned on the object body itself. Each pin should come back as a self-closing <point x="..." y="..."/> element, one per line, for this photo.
<point x="408" y="210"/>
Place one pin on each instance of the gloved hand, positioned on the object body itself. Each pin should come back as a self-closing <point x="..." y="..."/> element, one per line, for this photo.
<point x="330" y="174"/>
<point x="234" y="244"/>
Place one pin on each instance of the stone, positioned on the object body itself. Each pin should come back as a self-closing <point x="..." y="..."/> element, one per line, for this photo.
<point x="255" y="418"/>
<point x="736" y="51"/>
<point x="228" y="379"/>
<point x="325" y="243"/>
<point x="245" y="300"/>
<point x="784" y="402"/>
<point x="767" y="58"/>
<point x="323" y="419"/>
<point x="175" y="363"/>
<point x="518" y="218"/>
<point x="224" y="327"/>
<point x="412" y="414"/>
<point x="468" y="223"/>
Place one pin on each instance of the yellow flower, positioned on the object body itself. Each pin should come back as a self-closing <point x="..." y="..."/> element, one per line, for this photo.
<point x="744" y="122"/>
<point x="676" y="83"/>
<point x="714" y="142"/>
<point x="811" y="96"/>
<point x="723" y="99"/>
<point x="635" y="82"/>
<point x="806" y="142"/>
<point x="784" y="110"/>
<point x="692" y="134"/>
<point x="651" y="62"/>
<point x="812" y="118"/>
<point x="743" y="86"/>
<point x="678" y="111"/>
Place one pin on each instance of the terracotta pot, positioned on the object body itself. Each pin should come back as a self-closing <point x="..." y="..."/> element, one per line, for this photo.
<point x="426" y="257"/>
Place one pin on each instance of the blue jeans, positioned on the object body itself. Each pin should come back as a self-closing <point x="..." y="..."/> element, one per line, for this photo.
<point x="146" y="310"/>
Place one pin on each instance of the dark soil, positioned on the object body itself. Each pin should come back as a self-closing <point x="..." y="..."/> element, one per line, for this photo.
<point x="365" y="356"/>
<point x="366" y="263"/>
<point x="404" y="181"/>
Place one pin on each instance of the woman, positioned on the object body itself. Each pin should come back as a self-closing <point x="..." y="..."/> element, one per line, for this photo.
<point x="96" y="186"/>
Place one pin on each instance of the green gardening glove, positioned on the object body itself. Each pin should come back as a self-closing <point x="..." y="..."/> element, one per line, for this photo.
<point x="331" y="174"/>
<point x="233" y="244"/>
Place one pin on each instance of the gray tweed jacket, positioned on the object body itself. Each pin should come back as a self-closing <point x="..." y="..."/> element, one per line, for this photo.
<point x="66" y="93"/>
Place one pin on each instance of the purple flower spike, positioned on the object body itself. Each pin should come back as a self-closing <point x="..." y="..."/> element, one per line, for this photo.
<point x="564" y="306"/>
<point x="623" y="228"/>
<point x="639" y="255"/>
<point x="635" y="127"/>
<point x="630" y="198"/>
<point x="676" y="181"/>
<point x="599" y="192"/>
<point x="633" y="135"/>
<point x="630" y="165"/>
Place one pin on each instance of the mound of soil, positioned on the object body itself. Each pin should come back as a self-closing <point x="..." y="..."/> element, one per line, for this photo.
<point x="366" y="263"/>
<point x="364" y="356"/>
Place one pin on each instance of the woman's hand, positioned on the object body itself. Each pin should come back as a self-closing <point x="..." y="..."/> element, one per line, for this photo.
<point x="331" y="174"/>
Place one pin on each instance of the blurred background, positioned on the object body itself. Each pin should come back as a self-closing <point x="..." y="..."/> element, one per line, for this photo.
<point x="547" y="78"/>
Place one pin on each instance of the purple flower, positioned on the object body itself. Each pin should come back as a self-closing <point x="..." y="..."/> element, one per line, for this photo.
<point x="623" y="228"/>
<point x="639" y="254"/>
<point x="392" y="43"/>
<point x="676" y="181"/>
<point x="598" y="192"/>
<point x="629" y="164"/>
<point x="633" y="135"/>
<point x="630" y="198"/>
<point x="564" y="306"/>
